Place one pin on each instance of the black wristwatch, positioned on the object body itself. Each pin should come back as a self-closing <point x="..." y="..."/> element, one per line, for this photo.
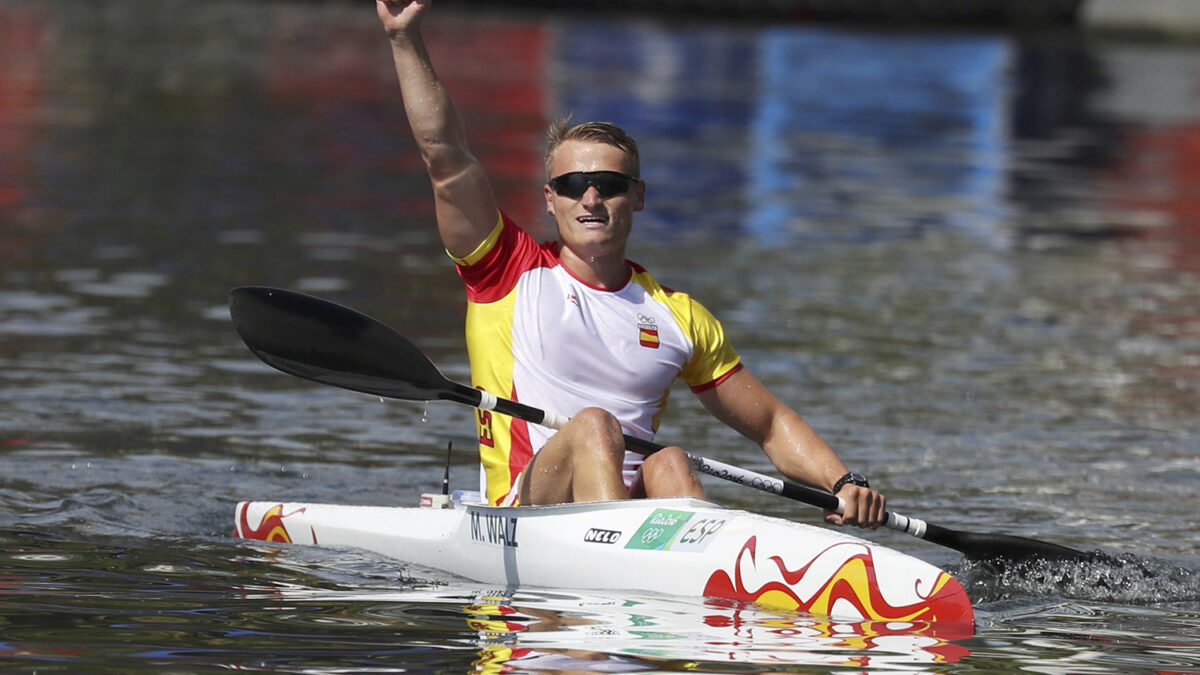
<point x="855" y="478"/>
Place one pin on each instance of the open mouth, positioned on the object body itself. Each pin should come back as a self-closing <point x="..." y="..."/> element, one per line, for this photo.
<point x="592" y="222"/>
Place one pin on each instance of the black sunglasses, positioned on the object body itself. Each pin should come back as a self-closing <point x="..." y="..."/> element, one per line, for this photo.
<point x="607" y="183"/>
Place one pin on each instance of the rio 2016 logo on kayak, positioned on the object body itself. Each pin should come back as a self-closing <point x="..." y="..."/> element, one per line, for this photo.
<point x="676" y="531"/>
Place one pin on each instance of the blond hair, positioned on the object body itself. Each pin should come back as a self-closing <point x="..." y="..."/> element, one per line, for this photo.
<point x="561" y="130"/>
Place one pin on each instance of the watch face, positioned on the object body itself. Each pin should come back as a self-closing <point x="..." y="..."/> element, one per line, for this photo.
<point x="857" y="479"/>
<point x="851" y="478"/>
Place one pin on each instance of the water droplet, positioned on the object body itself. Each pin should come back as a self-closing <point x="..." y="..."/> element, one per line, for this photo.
<point x="425" y="413"/>
<point x="381" y="400"/>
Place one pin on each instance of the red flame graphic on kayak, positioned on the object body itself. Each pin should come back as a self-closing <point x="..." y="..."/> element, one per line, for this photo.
<point x="853" y="588"/>
<point x="270" y="526"/>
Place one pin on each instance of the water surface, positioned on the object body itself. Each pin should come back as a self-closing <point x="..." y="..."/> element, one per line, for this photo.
<point x="969" y="259"/>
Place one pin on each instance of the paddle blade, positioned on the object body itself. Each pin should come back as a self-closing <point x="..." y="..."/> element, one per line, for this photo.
<point x="998" y="547"/>
<point x="325" y="342"/>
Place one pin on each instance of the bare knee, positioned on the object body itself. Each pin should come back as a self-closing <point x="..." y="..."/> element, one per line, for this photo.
<point x="597" y="431"/>
<point x="591" y="432"/>
<point x="668" y="461"/>
<point x="668" y="473"/>
<point x="581" y="463"/>
<point x="598" y="422"/>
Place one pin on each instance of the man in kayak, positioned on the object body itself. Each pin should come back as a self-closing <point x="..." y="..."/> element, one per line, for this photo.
<point x="574" y="327"/>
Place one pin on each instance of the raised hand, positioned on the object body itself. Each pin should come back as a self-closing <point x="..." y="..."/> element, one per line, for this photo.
<point x="401" y="17"/>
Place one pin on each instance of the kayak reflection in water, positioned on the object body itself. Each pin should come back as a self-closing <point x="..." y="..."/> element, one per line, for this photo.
<point x="574" y="327"/>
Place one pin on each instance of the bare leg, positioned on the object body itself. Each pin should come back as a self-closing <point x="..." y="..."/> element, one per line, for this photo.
<point x="667" y="473"/>
<point x="580" y="463"/>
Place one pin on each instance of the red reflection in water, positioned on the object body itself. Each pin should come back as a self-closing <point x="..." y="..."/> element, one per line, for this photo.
<point x="26" y="54"/>
<point x="1160" y="175"/>
<point x="494" y="70"/>
<point x="636" y="634"/>
<point x="26" y="41"/>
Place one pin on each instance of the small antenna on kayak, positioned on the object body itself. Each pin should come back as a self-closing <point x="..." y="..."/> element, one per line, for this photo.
<point x="430" y="500"/>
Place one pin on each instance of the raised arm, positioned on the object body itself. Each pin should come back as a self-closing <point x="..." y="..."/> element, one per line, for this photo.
<point x="743" y="403"/>
<point x="465" y="206"/>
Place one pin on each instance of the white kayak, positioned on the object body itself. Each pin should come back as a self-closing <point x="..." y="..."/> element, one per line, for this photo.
<point x="681" y="546"/>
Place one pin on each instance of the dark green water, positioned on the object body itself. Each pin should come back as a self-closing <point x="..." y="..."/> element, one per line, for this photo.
<point x="971" y="260"/>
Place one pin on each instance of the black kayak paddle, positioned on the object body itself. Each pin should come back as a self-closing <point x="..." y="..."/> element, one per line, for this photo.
<point x="328" y="343"/>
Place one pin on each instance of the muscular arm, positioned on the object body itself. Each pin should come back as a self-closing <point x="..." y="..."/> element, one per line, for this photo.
<point x="742" y="402"/>
<point x="466" y="209"/>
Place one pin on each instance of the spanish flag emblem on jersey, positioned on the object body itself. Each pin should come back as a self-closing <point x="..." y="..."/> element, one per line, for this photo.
<point x="648" y="335"/>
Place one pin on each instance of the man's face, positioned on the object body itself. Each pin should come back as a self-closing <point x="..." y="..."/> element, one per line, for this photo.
<point x="592" y="225"/>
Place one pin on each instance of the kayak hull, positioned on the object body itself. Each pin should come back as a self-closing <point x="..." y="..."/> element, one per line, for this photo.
<point x="680" y="546"/>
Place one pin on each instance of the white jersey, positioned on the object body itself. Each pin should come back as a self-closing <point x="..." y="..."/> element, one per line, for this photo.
<point x="538" y="335"/>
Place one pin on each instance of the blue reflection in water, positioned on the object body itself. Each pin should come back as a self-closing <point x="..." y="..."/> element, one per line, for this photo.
<point x="922" y="117"/>
<point x="686" y="95"/>
<point x="800" y="129"/>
